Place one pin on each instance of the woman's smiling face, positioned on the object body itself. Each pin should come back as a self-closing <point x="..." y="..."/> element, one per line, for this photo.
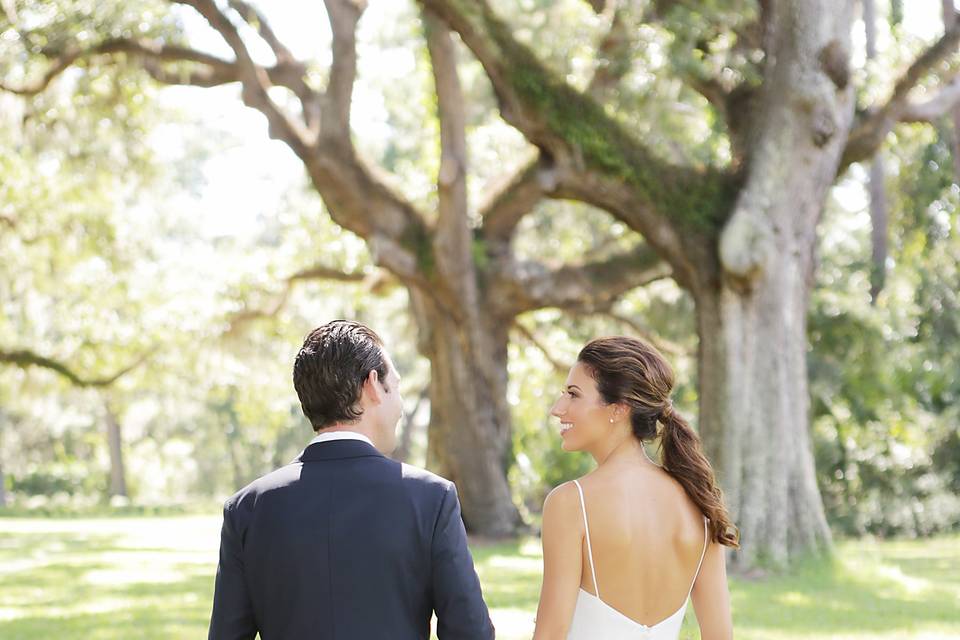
<point x="584" y="416"/>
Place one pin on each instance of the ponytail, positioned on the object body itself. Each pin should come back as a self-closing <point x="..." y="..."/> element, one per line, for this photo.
<point x="683" y="459"/>
<point x="633" y="372"/>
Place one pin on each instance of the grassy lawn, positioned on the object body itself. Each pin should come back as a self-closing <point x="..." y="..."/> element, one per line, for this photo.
<point x="114" y="578"/>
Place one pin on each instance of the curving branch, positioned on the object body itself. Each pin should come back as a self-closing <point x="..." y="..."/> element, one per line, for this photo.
<point x="213" y="67"/>
<point x="253" y="78"/>
<point x="577" y="134"/>
<point x="316" y="272"/>
<point x="257" y="20"/>
<point x="664" y="345"/>
<point x="936" y="107"/>
<point x="513" y="195"/>
<point x="590" y="287"/>
<point x="614" y="55"/>
<point x="529" y="336"/>
<point x="874" y="125"/>
<point x="25" y="358"/>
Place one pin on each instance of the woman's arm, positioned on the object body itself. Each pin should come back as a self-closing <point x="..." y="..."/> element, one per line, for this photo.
<point x="711" y="596"/>
<point x="562" y="538"/>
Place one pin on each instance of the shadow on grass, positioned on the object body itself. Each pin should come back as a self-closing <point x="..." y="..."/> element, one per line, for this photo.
<point x="510" y="573"/>
<point x="864" y="589"/>
<point x="73" y="586"/>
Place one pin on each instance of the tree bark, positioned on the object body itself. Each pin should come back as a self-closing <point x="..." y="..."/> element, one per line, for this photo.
<point x="470" y="425"/>
<point x="118" y="476"/>
<point x="754" y="415"/>
<point x="751" y="311"/>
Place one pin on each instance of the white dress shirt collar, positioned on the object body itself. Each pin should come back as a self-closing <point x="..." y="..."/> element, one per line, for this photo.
<point x="341" y="435"/>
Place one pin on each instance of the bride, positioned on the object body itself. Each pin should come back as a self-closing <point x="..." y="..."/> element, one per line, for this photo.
<point x="625" y="546"/>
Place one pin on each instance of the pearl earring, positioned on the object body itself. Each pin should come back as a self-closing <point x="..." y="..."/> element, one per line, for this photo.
<point x="611" y="420"/>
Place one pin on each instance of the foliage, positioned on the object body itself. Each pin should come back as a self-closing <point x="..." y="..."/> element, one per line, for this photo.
<point x="883" y="377"/>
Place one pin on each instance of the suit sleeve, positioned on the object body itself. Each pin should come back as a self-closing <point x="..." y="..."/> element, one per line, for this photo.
<point x="232" y="617"/>
<point x="457" y="599"/>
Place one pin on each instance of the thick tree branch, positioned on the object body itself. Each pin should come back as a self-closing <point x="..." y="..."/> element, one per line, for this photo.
<point x="513" y="195"/>
<point x="25" y="358"/>
<point x="355" y="196"/>
<point x="593" y="286"/>
<point x="873" y="127"/>
<point x="576" y="132"/>
<point x="453" y="236"/>
<point x="343" y="16"/>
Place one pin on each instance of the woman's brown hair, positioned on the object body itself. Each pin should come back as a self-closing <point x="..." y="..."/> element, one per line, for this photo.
<point x="631" y="372"/>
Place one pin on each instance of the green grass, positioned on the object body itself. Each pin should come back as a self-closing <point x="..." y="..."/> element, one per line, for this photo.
<point x="113" y="578"/>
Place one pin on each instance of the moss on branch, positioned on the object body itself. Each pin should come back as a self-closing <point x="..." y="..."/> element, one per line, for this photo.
<point x="696" y="199"/>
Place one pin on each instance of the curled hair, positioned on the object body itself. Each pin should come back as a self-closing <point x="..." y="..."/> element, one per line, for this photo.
<point x="330" y="369"/>
<point x="631" y="372"/>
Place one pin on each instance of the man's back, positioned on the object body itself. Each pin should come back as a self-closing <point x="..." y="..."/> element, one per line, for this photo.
<point x="345" y="543"/>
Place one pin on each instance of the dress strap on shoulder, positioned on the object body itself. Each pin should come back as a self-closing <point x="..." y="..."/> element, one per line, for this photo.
<point x="706" y="542"/>
<point x="586" y="528"/>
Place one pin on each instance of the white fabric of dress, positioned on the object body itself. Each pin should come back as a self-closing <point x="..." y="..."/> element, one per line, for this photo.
<point x="593" y="619"/>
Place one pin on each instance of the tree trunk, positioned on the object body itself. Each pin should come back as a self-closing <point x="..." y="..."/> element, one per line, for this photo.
<point x="754" y="413"/>
<point x="405" y="444"/>
<point x="118" y="476"/>
<point x="469" y="430"/>
<point x="751" y="308"/>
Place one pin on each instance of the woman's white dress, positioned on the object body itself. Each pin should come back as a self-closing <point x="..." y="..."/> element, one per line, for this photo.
<point x="593" y="619"/>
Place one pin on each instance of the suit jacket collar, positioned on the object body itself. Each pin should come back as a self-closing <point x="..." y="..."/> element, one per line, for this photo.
<point x="337" y="450"/>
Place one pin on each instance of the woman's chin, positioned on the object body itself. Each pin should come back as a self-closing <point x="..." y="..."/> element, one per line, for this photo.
<point x="568" y="445"/>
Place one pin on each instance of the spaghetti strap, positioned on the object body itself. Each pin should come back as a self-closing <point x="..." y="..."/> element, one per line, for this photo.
<point x="586" y="528"/>
<point x="702" y="554"/>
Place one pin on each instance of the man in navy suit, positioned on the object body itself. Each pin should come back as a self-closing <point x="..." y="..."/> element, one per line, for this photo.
<point x="344" y="543"/>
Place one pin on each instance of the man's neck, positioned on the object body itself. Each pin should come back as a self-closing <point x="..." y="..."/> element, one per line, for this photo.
<point x="345" y="432"/>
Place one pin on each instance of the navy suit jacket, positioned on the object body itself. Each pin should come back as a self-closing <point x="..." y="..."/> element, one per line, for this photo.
<point x="346" y="544"/>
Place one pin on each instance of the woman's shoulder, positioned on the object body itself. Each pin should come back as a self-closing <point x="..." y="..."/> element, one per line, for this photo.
<point x="561" y="504"/>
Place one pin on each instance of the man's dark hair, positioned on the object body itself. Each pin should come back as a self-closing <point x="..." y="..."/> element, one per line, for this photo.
<point x="330" y="370"/>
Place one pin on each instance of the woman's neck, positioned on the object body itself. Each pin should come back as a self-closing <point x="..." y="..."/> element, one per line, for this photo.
<point x="619" y="447"/>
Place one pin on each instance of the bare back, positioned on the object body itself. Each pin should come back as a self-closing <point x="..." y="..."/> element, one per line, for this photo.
<point x="647" y="540"/>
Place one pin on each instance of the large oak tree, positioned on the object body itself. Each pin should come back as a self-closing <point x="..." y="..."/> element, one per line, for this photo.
<point x="737" y="233"/>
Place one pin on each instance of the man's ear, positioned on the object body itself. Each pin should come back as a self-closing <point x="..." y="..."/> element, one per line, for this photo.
<point x="371" y="385"/>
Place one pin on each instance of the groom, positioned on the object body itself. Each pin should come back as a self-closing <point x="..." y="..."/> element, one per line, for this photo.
<point x="344" y="543"/>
